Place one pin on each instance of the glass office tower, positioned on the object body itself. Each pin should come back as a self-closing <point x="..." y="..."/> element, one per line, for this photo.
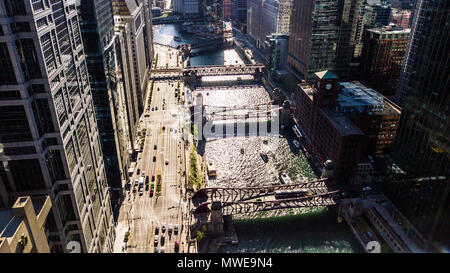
<point x="421" y="147"/>
<point x="97" y="30"/>
<point x="322" y="37"/>
<point x="48" y="129"/>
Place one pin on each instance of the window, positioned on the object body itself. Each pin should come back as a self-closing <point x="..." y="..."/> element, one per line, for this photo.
<point x="42" y="116"/>
<point x="14" y="124"/>
<point x="20" y="27"/>
<point x="27" y="174"/>
<point x="55" y="165"/>
<point x="7" y="75"/>
<point x="28" y="59"/>
<point x="15" y="7"/>
<point x="10" y="95"/>
<point x="23" y="150"/>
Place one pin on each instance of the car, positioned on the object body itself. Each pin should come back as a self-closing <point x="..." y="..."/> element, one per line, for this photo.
<point x="175" y="229"/>
<point x="156" y="250"/>
<point x="143" y="173"/>
<point x="163" y="227"/>
<point x="147" y="179"/>
<point x="158" y="88"/>
<point x="167" y="161"/>
<point x="153" y="177"/>
<point x="151" y="192"/>
<point x="156" y="240"/>
<point x="141" y="191"/>
<point x="153" y="108"/>
<point x="170" y="228"/>
<point x="156" y="108"/>
<point x="156" y="230"/>
<point x="152" y="185"/>
<point x="163" y="239"/>
<point x="171" y="129"/>
<point x="163" y="249"/>
<point x="155" y="147"/>
<point x="138" y="171"/>
<point x="164" y="128"/>
<point x="146" y="187"/>
<point x="367" y="188"/>
<point x="154" y="158"/>
<point x="177" y="246"/>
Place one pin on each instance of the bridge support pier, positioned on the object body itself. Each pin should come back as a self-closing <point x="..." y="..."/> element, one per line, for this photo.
<point x="216" y="219"/>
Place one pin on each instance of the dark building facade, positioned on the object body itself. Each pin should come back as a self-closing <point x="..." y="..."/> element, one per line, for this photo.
<point x="97" y="30"/>
<point x="239" y="10"/>
<point x="382" y="57"/>
<point x="383" y="13"/>
<point x="421" y="148"/>
<point x="322" y="37"/>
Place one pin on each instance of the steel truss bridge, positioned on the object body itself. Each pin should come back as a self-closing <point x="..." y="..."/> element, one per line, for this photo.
<point x="326" y="199"/>
<point x="240" y="112"/>
<point x="247" y="199"/>
<point x="210" y="70"/>
<point x="213" y="70"/>
<point x="246" y="193"/>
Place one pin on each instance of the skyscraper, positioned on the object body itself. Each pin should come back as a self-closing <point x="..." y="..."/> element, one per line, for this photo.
<point x="268" y="17"/>
<point x="239" y="10"/>
<point x="132" y="16"/>
<point x="382" y="57"/>
<point x="97" y="30"/>
<point x="48" y="129"/>
<point x="421" y="148"/>
<point x="322" y="37"/>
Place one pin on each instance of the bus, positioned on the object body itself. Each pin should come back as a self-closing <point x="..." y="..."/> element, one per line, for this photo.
<point x="212" y="170"/>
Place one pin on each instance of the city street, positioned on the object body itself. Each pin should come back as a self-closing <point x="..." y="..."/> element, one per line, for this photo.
<point x="163" y="154"/>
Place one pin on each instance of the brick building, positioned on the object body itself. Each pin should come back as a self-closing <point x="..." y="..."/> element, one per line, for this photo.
<point x="345" y="122"/>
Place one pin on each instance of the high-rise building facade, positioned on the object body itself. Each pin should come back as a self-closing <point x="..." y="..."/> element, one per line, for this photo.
<point x="48" y="128"/>
<point x="268" y="17"/>
<point x="132" y="16"/>
<point x="188" y="8"/>
<point x="276" y="53"/>
<point x="97" y="30"/>
<point x="383" y="14"/>
<point x="322" y="37"/>
<point x="382" y="57"/>
<point x="421" y="148"/>
<point x="226" y="9"/>
<point x="366" y="19"/>
<point x="239" y="10"/>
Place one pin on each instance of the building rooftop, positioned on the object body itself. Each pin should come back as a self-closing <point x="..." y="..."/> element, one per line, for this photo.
<point x="9" y="222"/>
<point x="390" y="30"/>
<point x="326" y="75"/>
<point x="341" y="123"/>
<point x="355" y="97"/>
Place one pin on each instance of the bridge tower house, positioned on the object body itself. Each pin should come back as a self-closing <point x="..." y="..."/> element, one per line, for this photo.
<point x="328" y="169"/>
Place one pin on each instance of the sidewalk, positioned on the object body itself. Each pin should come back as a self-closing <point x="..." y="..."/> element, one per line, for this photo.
<point x="120" y="235"/>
